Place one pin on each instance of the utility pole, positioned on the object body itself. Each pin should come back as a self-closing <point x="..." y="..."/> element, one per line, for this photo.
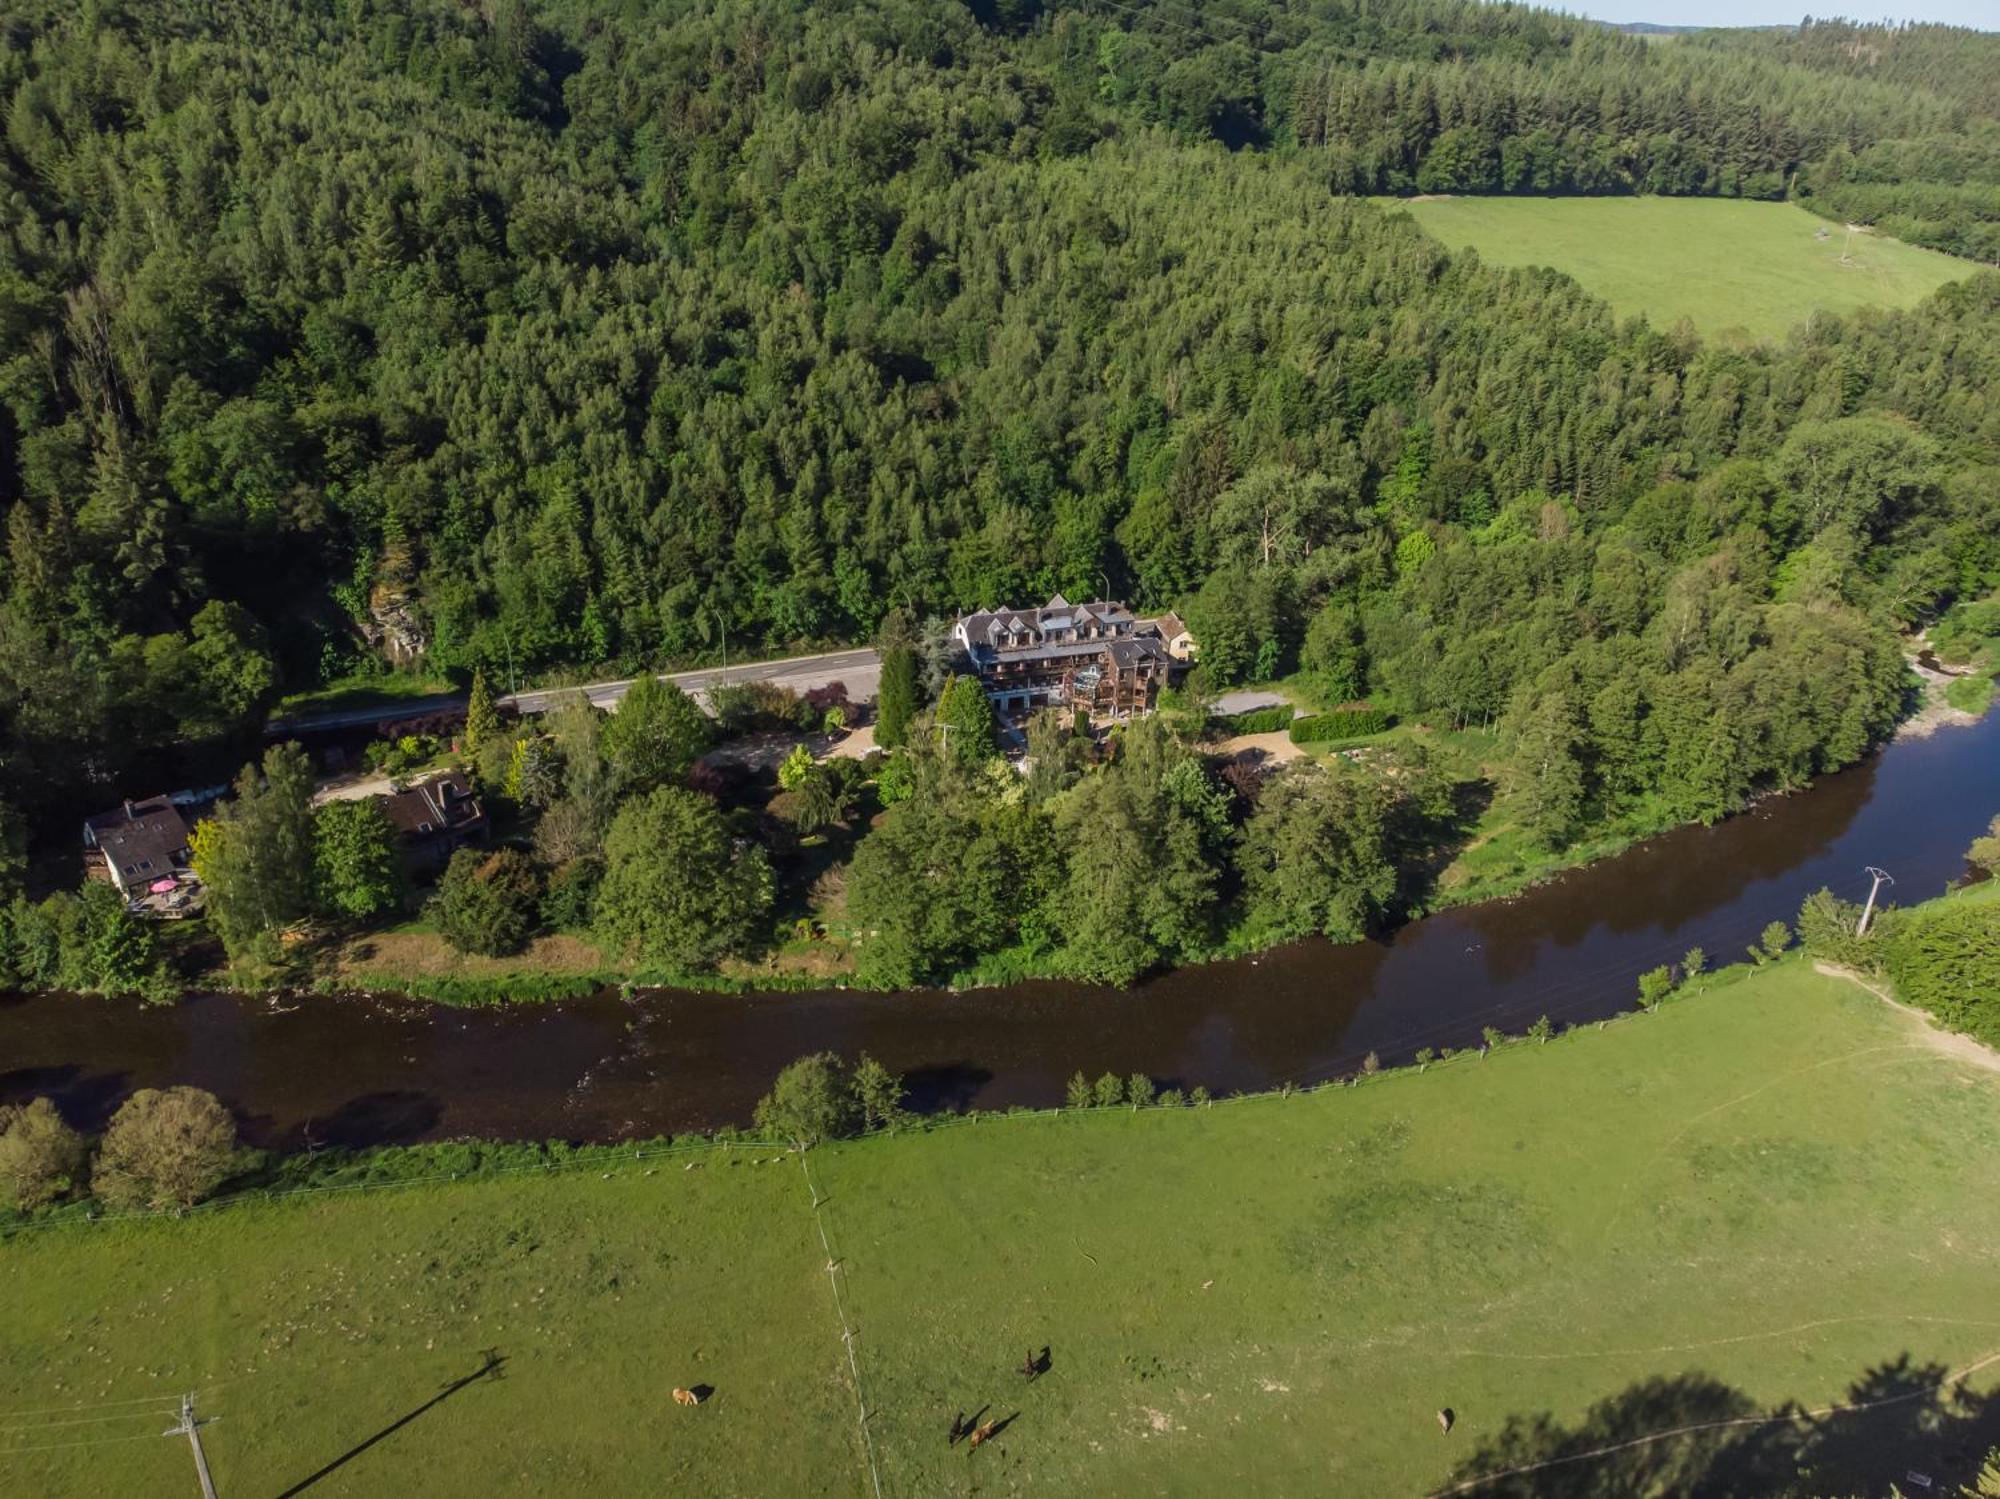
<point x="190" y="1428"/>
<point x="1881" y="877"/>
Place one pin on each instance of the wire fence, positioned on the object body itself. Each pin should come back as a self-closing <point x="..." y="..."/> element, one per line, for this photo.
<point x="835" y="1269"/>
<point x="606" y="1159"/>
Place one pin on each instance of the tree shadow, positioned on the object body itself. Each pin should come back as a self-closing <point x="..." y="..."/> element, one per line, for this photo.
<point x="489" y="1368"/>
<point x="86" y="1100"/>
<point x="390" y="1117"/>
<point x="1692" y="1434"/>
<point x="1425" y="843"/>
<point x="945" y="1088"/>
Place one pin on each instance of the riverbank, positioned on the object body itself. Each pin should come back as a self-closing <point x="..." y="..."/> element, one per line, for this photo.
<point x="363" y="1069"/>
<point x="1284" y="1289"/>
<point x="1496" y="862"/>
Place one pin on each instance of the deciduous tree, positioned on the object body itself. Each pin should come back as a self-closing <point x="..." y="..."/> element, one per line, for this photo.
<point x="41" y="1158"/>
<point x="165" y="1149"/>
<point x="679" y="888"/>
<point x="812" y="1100"/>
<point x="356" y="871"/>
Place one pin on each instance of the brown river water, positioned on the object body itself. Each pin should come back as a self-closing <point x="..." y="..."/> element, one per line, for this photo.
<point x="358" y="1071"/>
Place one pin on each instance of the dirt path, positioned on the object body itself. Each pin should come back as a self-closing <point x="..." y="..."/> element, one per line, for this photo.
<point x="1948" y="1043"/>
<point x="339" y="790"/>
<point x="1277" y="747"/>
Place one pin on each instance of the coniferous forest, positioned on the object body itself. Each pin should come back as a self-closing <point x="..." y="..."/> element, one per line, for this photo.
<point x="594" y="333"/>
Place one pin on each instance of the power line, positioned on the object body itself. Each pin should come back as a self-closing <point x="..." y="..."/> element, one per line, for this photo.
<point x="156" y="1409"/>
<point x="144" y="1436"/>
<point x="98" y="1405"/>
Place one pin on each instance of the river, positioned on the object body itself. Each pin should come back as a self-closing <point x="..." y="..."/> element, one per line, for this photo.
<point x="359" y="1071"/>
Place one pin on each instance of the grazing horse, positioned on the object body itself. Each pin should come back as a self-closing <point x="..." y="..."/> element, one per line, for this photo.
<point x="981" y="1432"/>
<point x="957" y="1427"/>
<point x="686" y="1397"/>
<point x="1445" y="1419"/>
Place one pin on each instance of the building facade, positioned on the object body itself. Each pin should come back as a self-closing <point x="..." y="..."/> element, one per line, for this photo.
<point x="1096" y="656"/>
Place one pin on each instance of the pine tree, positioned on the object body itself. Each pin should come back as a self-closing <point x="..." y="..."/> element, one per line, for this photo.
<point x="896" y="699"/>
<point x="482" y="719"/>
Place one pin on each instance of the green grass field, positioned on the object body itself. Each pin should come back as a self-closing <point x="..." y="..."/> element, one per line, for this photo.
<point x="1733" y="268"/>
<point x="1769" y="1191"/>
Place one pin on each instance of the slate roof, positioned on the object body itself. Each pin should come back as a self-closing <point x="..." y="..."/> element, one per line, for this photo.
<point x="441" y="804"/>
<point x="141" y="841"/>
<point x="993" y="629"/>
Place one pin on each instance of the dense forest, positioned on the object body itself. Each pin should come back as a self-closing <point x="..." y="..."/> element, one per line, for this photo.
<point x="593" y="333"/>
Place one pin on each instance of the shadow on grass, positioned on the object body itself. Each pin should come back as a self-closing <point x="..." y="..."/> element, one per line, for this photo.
<point x="489" y="1368"/>
<point x="1901" y="1423"/>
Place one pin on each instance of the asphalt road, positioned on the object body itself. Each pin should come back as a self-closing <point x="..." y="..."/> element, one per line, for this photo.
<point x="859" y="670"/>
<point x="354" y="718"/>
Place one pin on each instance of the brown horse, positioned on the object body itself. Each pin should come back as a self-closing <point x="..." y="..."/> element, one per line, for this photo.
<point x="981" y="1432"/>
<point x="686" y="1397"/>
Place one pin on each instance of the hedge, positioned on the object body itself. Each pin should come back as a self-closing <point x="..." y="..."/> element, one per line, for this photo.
<point x="1257" y="720"/>
<point x="1342" y="723"/>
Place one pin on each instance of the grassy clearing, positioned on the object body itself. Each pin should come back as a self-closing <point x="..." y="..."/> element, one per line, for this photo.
<point x="1732" y="268"/>
<point x="1769" y="1183"/>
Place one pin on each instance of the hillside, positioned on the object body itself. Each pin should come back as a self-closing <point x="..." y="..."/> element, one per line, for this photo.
<point x="573" y="334"/>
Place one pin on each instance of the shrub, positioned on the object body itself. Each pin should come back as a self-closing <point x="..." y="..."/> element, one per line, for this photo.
<point x="404" y="753"/>
<point x="41" y="1158"/>
<point x="812" y="1100"/>
<point x="1771" y="943"/>
<point x="1171" y="1098"/>
<point x="750" y="707"/>
<point x="797" y="768"/>
<point x="1826" y="930"/>
<point x="1655" y="984"/>
<point x="878" y="1093"/>
<point x="1270" y="720"/>
<point x="1372" y="1063"/>
<point x="1985" y="851"/>
<point x="1948" y="962"/>
<point x="165" y="1149"/>
<point x="1110" y="1091"/>
<point x="1492" y="1037"/>
<point x="1139" y="1090"/>
<point x="569" y="900"/>
<point x="1078" y="1094"/>
<point x="1342" y="723"/>
<point x="1970" y="694"/>
<point x="1541" y="1030"/>
<point x="1693" y="963"/>
<point x="486" y="902"/>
